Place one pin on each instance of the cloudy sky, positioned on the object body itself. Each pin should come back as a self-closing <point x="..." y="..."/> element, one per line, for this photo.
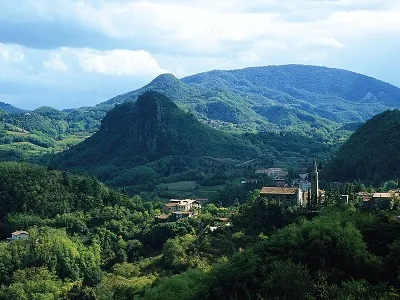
<point x="71" y="53"/>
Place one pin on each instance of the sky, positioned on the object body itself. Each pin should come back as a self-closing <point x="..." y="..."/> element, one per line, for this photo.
<point x="72" y="53"/>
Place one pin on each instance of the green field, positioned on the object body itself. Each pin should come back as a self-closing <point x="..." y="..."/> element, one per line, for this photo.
<point x="188" y="189"/>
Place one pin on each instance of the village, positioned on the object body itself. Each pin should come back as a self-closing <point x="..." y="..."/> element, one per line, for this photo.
<point x="302" y="192"/>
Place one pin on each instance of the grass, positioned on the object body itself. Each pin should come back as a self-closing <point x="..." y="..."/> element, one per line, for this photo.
<point x="34" y="150"/>
<point x="189" y="189"/>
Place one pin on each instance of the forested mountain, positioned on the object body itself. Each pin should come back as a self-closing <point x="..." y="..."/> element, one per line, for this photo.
<point x="371" y="153"/>
<point x="155" y="133"/>
<point x="294" y="98"/>
<point x="315" y="102"/>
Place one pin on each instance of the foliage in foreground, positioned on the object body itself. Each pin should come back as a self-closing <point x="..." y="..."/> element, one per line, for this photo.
<point x="112" y="247"/>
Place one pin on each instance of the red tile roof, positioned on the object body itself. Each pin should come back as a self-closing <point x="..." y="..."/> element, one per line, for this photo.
<point x="162" y="217"/>
<point x="223" y="219"/>
<point x="267" y="190"/>
<point x="20" y="232"/>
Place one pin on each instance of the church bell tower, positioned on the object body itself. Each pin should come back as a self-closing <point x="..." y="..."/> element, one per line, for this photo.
<point x="314" y="184"/>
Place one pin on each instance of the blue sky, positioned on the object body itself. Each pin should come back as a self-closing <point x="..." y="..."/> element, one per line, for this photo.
<point x="71" y="53"/>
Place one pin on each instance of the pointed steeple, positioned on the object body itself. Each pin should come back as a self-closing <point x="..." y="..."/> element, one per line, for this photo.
<point x="314" y="183"/>
<point x="315" y="169"/>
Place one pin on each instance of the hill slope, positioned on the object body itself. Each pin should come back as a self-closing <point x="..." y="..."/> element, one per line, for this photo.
<point x="46" y="130"/>
<point x="150" y="130"/>
<point x="371" y="153"/>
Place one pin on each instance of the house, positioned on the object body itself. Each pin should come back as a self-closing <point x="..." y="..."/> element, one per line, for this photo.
<point x="376" y="200"/>
<point x="382" y="200"/>
<point x="181" y="205"/>
<point x="182" y="214"/>
<point x="169" y="207"/>
<point x="162" y="218"/>
<point x="220" y="223"/>
<point x="19" y="235"/>
<point x="223" y="220"/>
<point x="285" y="196"/>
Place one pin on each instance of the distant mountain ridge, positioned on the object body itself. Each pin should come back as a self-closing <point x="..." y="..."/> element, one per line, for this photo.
<point x="277" y="96"/>
<point x="314" y="102"/>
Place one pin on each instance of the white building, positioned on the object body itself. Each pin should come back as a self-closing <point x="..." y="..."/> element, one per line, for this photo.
<point x="19" y="235"/>
<point x="185" y="205"/>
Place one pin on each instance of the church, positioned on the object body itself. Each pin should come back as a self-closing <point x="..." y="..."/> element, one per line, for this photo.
<point x="295" y="196"/>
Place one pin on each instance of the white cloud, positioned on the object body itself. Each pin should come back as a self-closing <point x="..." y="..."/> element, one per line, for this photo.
<point x="118" y="62"/>
<point x="135" y="40"/>
<point x="327" y="41"/>
<point x="55" y="63"/>
<point x="11" y="53"/>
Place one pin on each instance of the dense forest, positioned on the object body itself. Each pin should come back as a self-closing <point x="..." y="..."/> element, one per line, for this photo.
<point x="89" y="242"/>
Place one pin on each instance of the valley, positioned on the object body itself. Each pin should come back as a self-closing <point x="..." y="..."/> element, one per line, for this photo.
<point x="206" y="188"/>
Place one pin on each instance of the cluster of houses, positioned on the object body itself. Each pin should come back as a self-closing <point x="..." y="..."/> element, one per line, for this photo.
<point x="177" y="209"/>
<point x="278" y="175"/>
<point x="304" y="192"/>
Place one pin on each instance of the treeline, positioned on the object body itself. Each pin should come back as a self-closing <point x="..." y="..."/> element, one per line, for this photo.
<point x="89" y="242"/>
<point x="334" y="256"/>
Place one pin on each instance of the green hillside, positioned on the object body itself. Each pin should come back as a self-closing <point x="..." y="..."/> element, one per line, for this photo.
<point x="46" y="130"/>
<point x="371" y="153"/>
<point x="155" y="134"/>
<point x="314" y="102"/>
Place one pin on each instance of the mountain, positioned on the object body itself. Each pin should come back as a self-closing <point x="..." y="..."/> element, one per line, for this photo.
<point x="371" y="153"/>
<point x="152" y="129"/>
<point x="10" y="109"/>
<point x="46" y="130"/>
<point x="289" y="98"/>
<point x="318" y="103"/>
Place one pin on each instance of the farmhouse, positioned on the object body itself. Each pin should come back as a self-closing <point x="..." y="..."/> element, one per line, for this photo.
<point x="186" y="205"/>
<point x="182" y="214"/>
<point x="19" y="235"/>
